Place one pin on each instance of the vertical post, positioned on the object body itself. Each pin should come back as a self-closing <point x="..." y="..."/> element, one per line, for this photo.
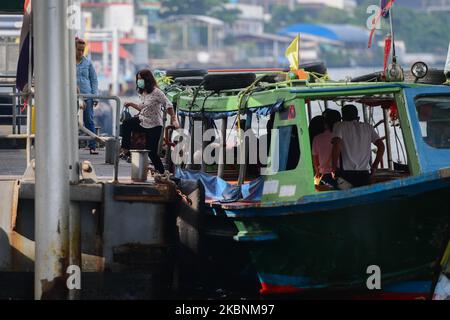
<point x="387" y="131"/>
<point x="309" y="111"/>
<point x="203" y="145"/>
<point x="192" y="142"/>
<point x="244" y="157"/>
<point x="298" y="46"/>
<point x="365" y="114"/>
<point x="72" y="108"/>
<point x="115" y="63"/>
<point x="223" y="147"/>
<point x="14" y="110"/>
<point x="30" y="97"/>
<point x="52" y="161"/>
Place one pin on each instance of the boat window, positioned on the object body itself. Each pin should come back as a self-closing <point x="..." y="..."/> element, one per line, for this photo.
<point x="434" y="119"/>
<point x="289" y="148"/>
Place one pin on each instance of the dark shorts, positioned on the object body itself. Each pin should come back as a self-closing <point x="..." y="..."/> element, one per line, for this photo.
<point x="356" y="178"/>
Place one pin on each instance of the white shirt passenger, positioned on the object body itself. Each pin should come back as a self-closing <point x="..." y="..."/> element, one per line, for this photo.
<point x="357" y="138"/>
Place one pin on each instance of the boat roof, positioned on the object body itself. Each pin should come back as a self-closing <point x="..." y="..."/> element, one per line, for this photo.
<point x="268" y="95"/>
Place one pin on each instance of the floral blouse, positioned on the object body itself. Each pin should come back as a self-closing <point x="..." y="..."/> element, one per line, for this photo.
<point x="153" y="106"/>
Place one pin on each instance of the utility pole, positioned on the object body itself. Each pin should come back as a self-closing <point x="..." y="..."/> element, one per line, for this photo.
<point x="52" y="196"/>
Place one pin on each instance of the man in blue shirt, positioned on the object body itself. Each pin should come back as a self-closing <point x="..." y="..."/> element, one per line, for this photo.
<point x="87" y="84"/>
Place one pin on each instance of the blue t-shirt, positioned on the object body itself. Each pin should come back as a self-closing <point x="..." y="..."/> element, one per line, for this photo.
<point x="87" y="77"/>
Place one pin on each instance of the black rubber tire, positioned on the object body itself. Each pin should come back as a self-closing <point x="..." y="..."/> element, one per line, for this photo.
<point x="316" y="66"/>
<point x="228" y="81"/>
<point x="371" y="77"/>
<point x="182" y="73"/>
<point x="434" y="76"/>
<point x="189" y="81"/>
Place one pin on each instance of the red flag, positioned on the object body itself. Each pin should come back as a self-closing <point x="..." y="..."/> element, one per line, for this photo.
<point x="383" y="13"/>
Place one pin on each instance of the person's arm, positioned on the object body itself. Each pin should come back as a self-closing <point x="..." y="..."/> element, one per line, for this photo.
<point x="170" y="110"/>
<point x="133" y="105"/>
<point x="380" y="153"/>
<point x="316" y="165"/>
<point x="93" y="79"/>
<point x="335" y="154"/>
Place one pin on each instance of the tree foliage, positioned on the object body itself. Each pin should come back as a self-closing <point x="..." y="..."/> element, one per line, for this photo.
<point x="177" y="7"/>
<point x="421" y="31"/>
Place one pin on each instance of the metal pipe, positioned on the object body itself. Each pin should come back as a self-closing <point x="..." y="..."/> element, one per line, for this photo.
<point x="387" y="131"/>
<point x="74" y="160"/>
<point x="14" y="112"/>
<point x="365" y="114"/>
<point x="17" y="136"/>
<point x="115" y="62"/>
<point x="223" y="147"/>
<point x="52" y="182"/>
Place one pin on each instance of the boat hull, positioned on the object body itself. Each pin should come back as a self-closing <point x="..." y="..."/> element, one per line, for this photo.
<point x="333" y="249"/>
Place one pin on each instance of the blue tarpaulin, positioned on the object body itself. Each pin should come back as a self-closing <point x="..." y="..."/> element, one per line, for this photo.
<point x="218" y="189"/>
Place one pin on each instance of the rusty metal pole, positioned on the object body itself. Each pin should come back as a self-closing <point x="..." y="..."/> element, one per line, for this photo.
<point x="52" y="159"/>
<point x="74" y="214"/>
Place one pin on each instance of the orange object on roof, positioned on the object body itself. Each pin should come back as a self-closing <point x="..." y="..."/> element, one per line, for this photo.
<point x="97" y="47"/>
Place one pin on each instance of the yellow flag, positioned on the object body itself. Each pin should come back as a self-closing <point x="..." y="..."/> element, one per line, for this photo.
<point x="292" y="53"/>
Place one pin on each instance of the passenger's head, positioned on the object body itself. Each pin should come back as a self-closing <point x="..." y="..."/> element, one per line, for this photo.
<point x="349" y="113"/>
<point x="80" y="45"/>
<point x="316" y="127"/>
<point x="145" y="81"/>
<point x="331" y="117"/>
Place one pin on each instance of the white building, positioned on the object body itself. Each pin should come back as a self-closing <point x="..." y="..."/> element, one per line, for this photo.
<point x="339" y="4"/>
<point x="251" y="19"/>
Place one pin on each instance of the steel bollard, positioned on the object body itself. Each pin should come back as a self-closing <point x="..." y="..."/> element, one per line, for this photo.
<point x="139" y="165"/>
<point x="110" y="150"/>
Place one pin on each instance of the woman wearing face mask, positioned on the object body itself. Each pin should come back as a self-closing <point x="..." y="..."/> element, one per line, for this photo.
<point x="149" y="119"/>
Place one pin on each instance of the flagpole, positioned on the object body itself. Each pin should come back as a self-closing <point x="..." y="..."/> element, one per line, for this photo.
<point x="298" y="51"/>
<point x="391" y="21"/>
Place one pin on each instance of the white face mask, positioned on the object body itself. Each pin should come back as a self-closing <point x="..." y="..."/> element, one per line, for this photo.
<point x="141" y="83"/>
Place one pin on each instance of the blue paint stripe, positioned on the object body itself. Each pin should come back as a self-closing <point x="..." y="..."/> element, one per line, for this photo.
<point x="402" y="188"/>
<point x="305" y="283"/>
<point x="284" y="280"/>
<point x="409" y="287"/>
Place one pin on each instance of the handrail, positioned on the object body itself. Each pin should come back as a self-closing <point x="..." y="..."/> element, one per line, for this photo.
<point x="116" y="131"/>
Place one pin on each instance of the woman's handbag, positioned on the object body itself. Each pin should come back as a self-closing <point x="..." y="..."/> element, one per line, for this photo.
<point x="125" y="115"/>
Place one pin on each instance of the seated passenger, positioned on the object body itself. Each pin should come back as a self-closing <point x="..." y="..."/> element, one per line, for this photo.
<point x="316" y="127"/>
<point x="322" y="148"/>
<point x="352" y="148"/>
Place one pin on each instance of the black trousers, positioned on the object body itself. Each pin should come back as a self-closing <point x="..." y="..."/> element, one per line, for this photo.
<point x="356" y="178"/>
<point x="152" y="136"/>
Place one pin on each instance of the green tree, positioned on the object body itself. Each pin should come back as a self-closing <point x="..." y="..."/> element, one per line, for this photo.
<point x="177" y="7"/>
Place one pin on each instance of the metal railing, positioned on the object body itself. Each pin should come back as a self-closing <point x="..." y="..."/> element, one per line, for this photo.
<point x="15" y="107"/>
<point x="116" y="130"/>
<point x="29" y="135"/>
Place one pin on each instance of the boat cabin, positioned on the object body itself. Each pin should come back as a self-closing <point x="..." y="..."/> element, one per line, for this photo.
<point x="266" y="127"/>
